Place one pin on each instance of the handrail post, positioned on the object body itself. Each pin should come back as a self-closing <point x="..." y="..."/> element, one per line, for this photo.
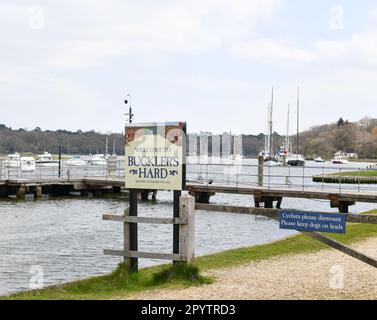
<point x="260" y="171"/>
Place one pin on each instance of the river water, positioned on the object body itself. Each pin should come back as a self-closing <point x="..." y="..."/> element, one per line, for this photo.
<point x="64" y="238"/>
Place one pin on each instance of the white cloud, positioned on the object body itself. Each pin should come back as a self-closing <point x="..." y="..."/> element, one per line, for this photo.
<point x="208" y="52"/>
<point x="93" y="31"/>
<point x="361" y="48"/>
<point x="271" y="50"/>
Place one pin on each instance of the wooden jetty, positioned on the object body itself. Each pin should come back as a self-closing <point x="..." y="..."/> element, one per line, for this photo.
<point x="264" y="196"/>
<point x="338" y="198"/>
<point x="66" y="186"/>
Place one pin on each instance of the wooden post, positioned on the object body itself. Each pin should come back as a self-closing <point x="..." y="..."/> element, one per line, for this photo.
<point x="260" y="170"/>
<point x="176" y="214"/>
<point x="21" y="193"/>
<point x="187" y="231"/>
<point x="126" y="238"/>
<point x="38" y="192"/>
<point x="133" y="243"/>
<point x="60" y="160"/>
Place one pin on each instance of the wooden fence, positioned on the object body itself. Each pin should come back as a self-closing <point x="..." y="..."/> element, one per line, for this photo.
<point x="185" y="221"/>
<point x="275" y="213"/>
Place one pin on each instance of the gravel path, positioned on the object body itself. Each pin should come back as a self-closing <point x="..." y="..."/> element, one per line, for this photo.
<point x="300" y="276"/>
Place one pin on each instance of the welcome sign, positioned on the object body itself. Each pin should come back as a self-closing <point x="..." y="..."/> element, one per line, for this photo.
<point x="155" y="156"/>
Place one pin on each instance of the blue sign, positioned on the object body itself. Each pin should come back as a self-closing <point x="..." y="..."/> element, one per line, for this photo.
<point x="313" y="221"/>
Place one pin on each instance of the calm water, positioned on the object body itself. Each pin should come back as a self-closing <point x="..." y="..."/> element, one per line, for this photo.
<point x="65" y="237"/>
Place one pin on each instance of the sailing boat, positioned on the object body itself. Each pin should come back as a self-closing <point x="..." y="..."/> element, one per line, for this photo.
<point x="107" y="149"/>
<point x="297" y="160"/>
<point x="284" y="150"/>
<point x="114" y="153"/>
<point x="270" y="158"/>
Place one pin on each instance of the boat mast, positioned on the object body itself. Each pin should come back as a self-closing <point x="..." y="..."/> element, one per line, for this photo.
<point x="270" y="122"/>
<point x="267" y="138"/>
<point x="287" y="138"/>
<point x="298" y="118"/>
<point x="107" y="145"/>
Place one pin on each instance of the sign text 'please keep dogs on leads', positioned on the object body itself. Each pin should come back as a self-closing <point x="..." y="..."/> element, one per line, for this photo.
<point x="313" y="221"/>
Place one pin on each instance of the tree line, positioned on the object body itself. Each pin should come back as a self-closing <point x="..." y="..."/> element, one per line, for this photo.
<point x="78" y="142"/>
<point x="351" y="137"/>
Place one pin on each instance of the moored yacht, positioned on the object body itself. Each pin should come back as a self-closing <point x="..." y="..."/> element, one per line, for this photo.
<point x="45" y="160"/>
<point x="76" y="162"/>
<point x="270" y="160"/>
<point x="339" y="160"/>
<point x="319" y="160"/>
<point x="12" y="161"/>
<point x="98" y="160"/>
<point x="296" y="160"/>
<point x="27" y="164"/>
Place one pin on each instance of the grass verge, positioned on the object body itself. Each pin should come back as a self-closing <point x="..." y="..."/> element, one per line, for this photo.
<point x="353" y="177"/>
<point x="121" y="282"/>
<point x="363" y="173"/>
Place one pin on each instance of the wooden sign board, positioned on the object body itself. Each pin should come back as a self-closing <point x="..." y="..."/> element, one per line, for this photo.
<point x="155" y="156"/>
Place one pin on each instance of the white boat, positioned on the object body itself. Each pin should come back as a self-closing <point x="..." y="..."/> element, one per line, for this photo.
<point x="271" y="160"/>
<point x="268" y="154"/>
<point x="98" y="160"/>
<point x="76" y="162"/>
<point x="12" y="161"/>
<point x="339" y="160"/>
<point x="296" y="160"/>
<point x="320" y="160"/>
<point x="272" y="163"/>
<point x="27" y="164"/>
<point x="45" y="160"/>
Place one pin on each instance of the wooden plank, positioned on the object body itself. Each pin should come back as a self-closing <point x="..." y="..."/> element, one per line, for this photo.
<point x="274" y="213"/>
<point x="361" y="218"/>
<point x="112" y="217"/>
<point x="270" y="213"/>
<point x="145" y="220"/>
<point x="109" y="181"/>
<point x="308" y="193"/>
<point x="126" y="238"/>
<point x="343" y="248"/>
<point x="180" y="221"/>
<point x="143" y="255"/>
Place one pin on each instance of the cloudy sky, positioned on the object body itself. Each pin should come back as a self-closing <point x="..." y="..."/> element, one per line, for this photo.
<point x="69" y="64"/>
